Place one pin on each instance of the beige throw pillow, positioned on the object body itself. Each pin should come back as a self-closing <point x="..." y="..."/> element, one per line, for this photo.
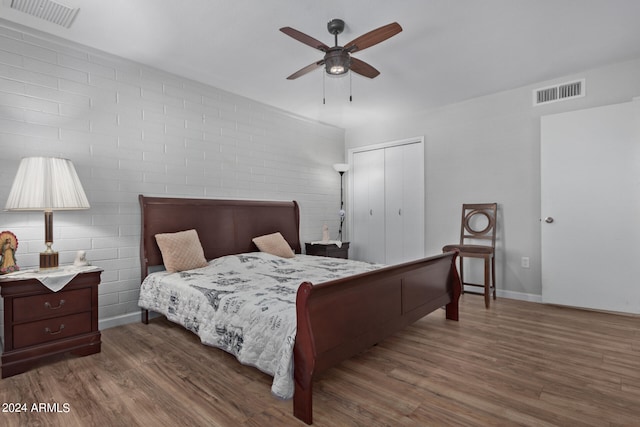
<point x="274" y="244"/>
<point x="181" y="251"/>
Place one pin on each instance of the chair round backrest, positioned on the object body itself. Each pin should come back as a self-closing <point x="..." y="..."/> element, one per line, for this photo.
<point x="478" y="222"/>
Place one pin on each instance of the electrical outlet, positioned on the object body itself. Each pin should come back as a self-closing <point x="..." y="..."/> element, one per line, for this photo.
<point x="524" y="262"/>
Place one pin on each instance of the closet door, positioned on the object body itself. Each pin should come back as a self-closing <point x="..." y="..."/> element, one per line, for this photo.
<point x="368" y="229"/>
<point x="404" y="203"/>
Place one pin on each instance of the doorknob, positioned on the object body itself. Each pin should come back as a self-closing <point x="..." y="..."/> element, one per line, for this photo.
<point x="548" y="220"/>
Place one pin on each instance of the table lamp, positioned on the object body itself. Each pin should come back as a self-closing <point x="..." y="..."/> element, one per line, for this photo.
<point x="46" y="184"/>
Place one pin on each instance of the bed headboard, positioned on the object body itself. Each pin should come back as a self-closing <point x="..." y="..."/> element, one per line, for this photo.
<point x="225" y="227"/>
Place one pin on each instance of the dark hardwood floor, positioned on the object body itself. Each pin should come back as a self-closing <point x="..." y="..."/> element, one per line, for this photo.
<point x="517" y="363"/>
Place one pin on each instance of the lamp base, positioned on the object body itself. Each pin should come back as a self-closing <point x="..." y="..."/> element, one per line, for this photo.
<point x="48" y="260"/>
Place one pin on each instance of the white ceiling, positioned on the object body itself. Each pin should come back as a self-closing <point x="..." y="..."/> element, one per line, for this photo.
<point x="448" y="51"/>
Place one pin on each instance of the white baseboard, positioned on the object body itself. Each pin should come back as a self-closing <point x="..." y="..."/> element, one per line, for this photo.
<point x="123" y="319"/>
<point x="519" y="296"/>
<point x="119" y="320"/>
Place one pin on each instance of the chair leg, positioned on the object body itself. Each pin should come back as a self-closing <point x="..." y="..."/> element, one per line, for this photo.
<point x="493" y="275"/>
<point x="487" y="289"/>
<point x="461" y="261"/>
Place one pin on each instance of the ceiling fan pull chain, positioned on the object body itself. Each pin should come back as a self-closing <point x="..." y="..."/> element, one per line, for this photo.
<point x="323" y="89"/>
<point x="350" y="86"/>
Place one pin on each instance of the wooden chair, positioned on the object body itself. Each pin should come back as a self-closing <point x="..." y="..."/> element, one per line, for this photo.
<point x="478" y="240"/>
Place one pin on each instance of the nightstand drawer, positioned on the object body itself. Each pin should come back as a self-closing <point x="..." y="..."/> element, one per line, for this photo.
<point x="52" y="304"/>
<point x="328" y="250"/>
<point x="58" y="328"/>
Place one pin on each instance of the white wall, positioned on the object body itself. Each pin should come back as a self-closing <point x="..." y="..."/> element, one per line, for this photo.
<point x="130" y="129"/>
<point x="488" y="150"/>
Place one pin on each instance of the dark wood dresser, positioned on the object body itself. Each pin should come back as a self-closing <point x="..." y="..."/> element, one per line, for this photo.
<point x="39" y="323"/>
<point x="331" y="250"/>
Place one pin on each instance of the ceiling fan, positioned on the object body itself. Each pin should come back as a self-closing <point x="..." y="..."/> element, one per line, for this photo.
<point x="337" y="59"/>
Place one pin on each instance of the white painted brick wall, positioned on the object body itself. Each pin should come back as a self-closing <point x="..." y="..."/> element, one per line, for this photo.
<point x="130" y="130"/>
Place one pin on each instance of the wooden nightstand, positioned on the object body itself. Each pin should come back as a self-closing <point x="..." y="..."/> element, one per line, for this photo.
<point x="39" y="323"/>
<point x="331" y="250"/>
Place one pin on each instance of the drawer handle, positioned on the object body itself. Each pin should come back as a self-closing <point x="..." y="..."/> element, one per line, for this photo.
<point x="50" y="332"/>
<point x="48" y="305"/>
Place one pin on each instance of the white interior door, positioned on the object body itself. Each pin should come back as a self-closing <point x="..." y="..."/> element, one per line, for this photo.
<point x="413" y="201"/>
<point x="404" y="202"/>
<point x="590" y="190"/>
<point x="368" y="236"/>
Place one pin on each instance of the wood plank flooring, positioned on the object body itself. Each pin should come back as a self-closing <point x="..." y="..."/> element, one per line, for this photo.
<point x="518" y="363"/>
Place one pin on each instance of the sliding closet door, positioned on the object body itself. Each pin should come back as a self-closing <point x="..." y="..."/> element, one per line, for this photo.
<point x="367" y="236"/>
<point x="387" y="220"/>
<point x="404" y="203"/>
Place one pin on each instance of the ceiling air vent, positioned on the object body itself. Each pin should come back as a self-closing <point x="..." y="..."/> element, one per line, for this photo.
<point x="559" y="92"/>
<point x="47" y="10"/>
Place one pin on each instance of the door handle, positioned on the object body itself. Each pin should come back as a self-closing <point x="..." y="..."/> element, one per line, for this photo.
<point x="548" y="220"/>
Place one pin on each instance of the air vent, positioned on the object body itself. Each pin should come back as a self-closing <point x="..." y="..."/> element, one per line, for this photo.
<point x="47" y="10"/>
<point x="559" y="92"/>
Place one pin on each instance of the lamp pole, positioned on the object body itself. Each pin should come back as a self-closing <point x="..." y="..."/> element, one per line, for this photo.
<point x="342" y="213"/>
<point x="341" y="168"/>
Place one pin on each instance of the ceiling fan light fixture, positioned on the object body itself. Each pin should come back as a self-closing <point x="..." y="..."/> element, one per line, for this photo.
<point x="337" y="62"/>
<point x="337" y="69"/>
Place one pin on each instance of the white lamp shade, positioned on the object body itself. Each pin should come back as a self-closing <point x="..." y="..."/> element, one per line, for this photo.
<point x="341" y="167"/>
<point x="46" y="184"/>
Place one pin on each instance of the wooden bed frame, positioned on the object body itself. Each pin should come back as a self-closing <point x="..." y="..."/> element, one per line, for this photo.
<point x="335" y="320"/>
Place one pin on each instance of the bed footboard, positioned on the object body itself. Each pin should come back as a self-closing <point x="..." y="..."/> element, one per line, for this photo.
<point x="339" y="319"/>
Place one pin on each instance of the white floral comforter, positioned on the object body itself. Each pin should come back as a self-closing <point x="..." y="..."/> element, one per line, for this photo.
<point x="245" y="305"/>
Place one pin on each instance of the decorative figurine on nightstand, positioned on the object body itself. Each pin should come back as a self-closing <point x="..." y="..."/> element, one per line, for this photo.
<point x="9" y="243"/>
<point x="325" y="233"/>
<point x="81" y="259"/>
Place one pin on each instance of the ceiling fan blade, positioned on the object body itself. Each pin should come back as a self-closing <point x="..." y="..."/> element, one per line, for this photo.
<point x="303" y="38"/>
<point x="362" y="68"/>
<point x="306" y="70"/>
<point x="373" y="37"/>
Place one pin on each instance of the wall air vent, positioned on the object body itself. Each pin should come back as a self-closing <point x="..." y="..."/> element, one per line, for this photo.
<point x="47" y="10"/>
<point x="559" y="92"/>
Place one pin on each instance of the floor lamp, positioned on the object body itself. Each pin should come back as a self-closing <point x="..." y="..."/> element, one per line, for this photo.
<point x="341" y="168"/>
<point x="47" y="184"/>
